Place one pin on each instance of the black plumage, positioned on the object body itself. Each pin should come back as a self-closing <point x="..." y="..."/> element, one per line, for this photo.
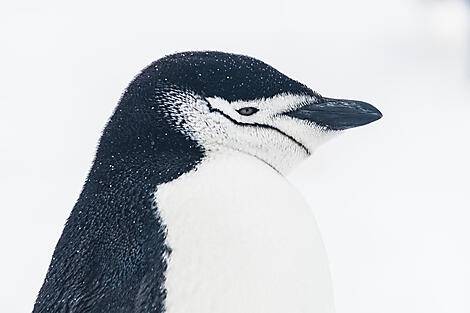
<point x="111" y="255"/>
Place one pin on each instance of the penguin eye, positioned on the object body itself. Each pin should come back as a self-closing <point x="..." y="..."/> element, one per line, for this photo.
<point x="247" y="111"/>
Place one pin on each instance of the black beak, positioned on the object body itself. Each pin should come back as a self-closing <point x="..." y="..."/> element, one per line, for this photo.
<point x="337" y="114"/>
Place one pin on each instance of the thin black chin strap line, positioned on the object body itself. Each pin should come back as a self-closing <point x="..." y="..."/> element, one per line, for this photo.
<point x="212" y="109"/>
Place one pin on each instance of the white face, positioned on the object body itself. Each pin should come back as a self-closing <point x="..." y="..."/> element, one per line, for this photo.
<point x="279" y="140"/>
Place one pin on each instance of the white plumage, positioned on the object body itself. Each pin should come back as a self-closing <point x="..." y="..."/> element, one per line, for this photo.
<point x="243" y="240"/>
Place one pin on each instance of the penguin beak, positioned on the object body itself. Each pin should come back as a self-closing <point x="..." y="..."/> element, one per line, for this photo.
<point x="337" y="114"/>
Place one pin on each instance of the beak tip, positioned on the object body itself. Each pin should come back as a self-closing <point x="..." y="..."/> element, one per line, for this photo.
<point x="377" y="115"/>
<point x="368" y="115"/>
<point x="376" y="112"/>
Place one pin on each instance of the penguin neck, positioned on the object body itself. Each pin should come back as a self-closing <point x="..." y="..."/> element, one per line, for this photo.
<point x="242" y="240"/>
<point x="113" y="229"/>
<point x="139" y="171"/>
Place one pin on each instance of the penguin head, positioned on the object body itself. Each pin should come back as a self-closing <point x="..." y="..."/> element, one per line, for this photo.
<point x="228" y="101"/>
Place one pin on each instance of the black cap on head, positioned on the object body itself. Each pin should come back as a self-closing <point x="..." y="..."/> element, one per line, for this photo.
<point x="229" y="76"/>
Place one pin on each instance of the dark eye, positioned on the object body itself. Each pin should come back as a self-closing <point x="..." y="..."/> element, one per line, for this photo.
<point x="247" y="111"/>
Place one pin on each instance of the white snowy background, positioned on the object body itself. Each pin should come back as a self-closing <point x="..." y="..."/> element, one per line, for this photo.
<point x="391" y="198"/>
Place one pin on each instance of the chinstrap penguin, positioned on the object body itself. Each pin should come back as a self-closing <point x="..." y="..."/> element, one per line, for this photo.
<point x="186" y="208"/>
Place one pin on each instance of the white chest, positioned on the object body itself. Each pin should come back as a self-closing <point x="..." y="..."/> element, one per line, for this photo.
<point x="242" y="240"/>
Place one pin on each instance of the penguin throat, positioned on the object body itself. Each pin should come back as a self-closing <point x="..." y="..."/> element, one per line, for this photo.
<point x="242" y="240"/>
